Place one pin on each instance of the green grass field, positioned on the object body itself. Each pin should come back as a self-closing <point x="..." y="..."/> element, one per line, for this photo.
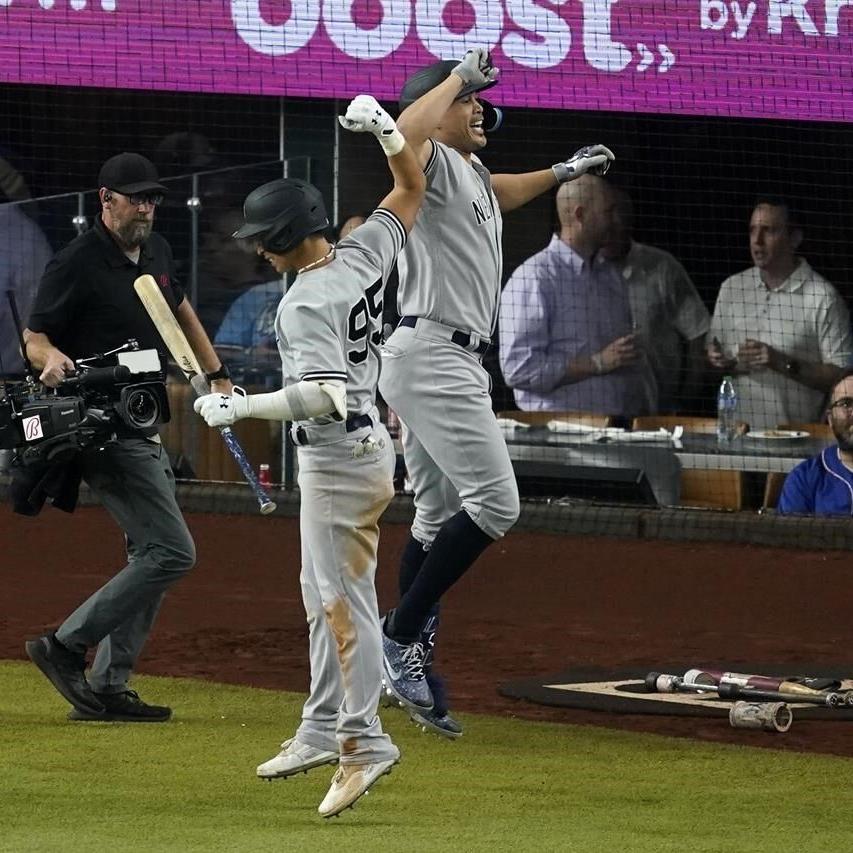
<point x="189" y="785"/>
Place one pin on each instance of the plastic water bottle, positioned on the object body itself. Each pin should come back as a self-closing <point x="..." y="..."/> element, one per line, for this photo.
<point x="726" y="411"/>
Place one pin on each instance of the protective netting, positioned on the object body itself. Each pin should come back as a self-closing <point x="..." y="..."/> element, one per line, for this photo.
<point x="709" y="108"/>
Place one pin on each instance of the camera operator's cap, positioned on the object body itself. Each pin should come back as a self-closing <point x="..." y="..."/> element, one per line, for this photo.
<point x="130" y="173"/>
<point x="425" y="80"/>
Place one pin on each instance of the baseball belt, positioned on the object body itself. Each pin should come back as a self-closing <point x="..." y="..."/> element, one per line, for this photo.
<point x="462" y="339"/>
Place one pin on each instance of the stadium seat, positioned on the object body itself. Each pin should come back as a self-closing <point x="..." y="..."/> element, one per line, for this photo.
<point x="709" y="488"/>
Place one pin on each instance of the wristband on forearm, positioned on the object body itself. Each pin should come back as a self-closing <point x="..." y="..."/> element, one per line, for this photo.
<point x="597" y="363"/>
<point x="393" y="143"/>
<point x="222" y="372"/>
<point x="561" y="172"/>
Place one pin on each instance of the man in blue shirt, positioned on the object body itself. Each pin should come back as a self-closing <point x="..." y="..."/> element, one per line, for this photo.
<point x="246" y="338"/>
<point x="823" y="485"/>
<point x="567" y="340"/>
<point x="24" y="253"/>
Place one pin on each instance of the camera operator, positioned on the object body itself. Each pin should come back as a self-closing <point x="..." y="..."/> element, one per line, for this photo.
<point x="86" y="304"/>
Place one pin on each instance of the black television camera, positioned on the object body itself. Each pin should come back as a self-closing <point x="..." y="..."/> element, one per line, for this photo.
<point x="87" y="409"/>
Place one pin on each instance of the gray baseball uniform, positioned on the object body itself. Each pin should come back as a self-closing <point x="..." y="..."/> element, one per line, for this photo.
<point x="328" y="327"/>
<point x="432" y="376"/>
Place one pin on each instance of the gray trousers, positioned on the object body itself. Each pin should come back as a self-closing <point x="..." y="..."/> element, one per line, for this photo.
<point x="455" y="452"/>
<point x="134" y="481"/>
<point x="342" y="497"/>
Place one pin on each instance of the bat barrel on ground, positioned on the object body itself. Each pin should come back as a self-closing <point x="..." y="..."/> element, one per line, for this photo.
<point x="735" y="692"/>
<point x="173" y="336"/>
<point x="770" y="716"/>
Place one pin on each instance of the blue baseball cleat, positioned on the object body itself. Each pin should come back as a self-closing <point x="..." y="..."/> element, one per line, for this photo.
<point x="403" y="674"/>
<point x="439" y="724"/>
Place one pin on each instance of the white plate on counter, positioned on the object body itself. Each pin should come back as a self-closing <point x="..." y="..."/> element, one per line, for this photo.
<point x="778" y="434"/>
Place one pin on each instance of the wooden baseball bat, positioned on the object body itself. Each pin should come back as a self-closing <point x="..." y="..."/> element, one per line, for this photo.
<point x="173" y="336"/>
<point x="803" y="685"/>
<point x="830" y="699"/>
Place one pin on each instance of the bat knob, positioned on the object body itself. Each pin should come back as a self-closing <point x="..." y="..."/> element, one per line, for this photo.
<point x="651" y="682"/>
<point x="268" y="507"/>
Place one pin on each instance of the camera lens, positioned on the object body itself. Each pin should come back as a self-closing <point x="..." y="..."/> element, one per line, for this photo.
<point x="143" y="408"/>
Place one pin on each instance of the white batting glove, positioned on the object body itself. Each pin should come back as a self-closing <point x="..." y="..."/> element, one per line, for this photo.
<point x="364" y="115"/>
<point x="476" y="67"/>
<point x="595" y="159"/>
<point x="221" y="410"/>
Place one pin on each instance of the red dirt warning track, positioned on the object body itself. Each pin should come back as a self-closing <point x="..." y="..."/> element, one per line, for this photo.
<point x="534" y="604"/>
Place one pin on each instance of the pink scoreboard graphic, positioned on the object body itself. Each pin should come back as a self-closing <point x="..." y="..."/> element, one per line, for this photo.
<point x="786" y="59"/>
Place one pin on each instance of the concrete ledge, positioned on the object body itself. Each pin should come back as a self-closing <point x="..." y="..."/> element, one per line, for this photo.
<point x="749" y="528"/>
<point x="580" y="518"/>
<point x="574" y="518"/>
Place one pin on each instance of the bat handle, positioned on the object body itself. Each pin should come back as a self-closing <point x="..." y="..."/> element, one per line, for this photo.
<point x="265" y="503"/>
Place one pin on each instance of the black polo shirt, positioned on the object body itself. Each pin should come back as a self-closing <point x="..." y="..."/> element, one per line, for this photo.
<point x="86" y="303"/>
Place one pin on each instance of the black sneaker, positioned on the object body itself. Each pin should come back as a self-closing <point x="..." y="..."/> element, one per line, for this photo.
<point x="66" y="671"/>
<point x="124" y="707"/>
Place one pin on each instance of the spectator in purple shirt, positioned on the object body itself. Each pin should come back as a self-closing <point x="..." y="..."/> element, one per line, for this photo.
<point x="567" y="341"/>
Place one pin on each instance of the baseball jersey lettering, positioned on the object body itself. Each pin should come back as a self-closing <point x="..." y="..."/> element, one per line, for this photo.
<point x="329" y="323"/>
<point x="451" y="266"/>
<point x="482" y="209"/>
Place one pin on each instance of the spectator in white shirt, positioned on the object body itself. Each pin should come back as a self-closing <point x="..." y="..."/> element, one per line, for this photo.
<point x="670" y="319"/>
<point x="780" y="326"/>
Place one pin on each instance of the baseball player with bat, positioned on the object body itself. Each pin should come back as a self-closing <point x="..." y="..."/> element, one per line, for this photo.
<point x="328" y="329"/>
<point x="432" y="376"/>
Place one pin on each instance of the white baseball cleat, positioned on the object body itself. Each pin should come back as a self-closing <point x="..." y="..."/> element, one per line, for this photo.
<point x="350" y="782"/>
<point x="295" y="757"/>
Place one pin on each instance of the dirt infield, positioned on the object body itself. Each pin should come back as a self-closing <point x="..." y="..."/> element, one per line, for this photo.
<point x="535" y="603"/>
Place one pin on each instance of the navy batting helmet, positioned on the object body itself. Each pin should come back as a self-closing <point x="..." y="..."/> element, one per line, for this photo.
<point x="428" y="78"/>
<point x="282" y="213"/>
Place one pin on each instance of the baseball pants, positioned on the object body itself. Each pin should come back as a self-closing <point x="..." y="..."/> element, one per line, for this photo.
<point x="344" y="491"/>
<point x="455" y="454"/>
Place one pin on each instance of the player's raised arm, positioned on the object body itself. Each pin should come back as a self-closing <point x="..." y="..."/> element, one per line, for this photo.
<point x="513" y="191"/>
<point x="364" y="115"/>
<point x="418" y="122"/>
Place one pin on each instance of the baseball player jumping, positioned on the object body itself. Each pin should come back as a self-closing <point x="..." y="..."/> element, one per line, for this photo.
<point x="432" y="377"/>
<point x="328" y="331"/>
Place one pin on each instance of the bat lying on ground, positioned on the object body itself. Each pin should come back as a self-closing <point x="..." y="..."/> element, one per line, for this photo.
<point x="800" y="684"/>
<point x="173" y="336"/>
<point x="657" y="682"/>
<point x="829" y="699"/>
